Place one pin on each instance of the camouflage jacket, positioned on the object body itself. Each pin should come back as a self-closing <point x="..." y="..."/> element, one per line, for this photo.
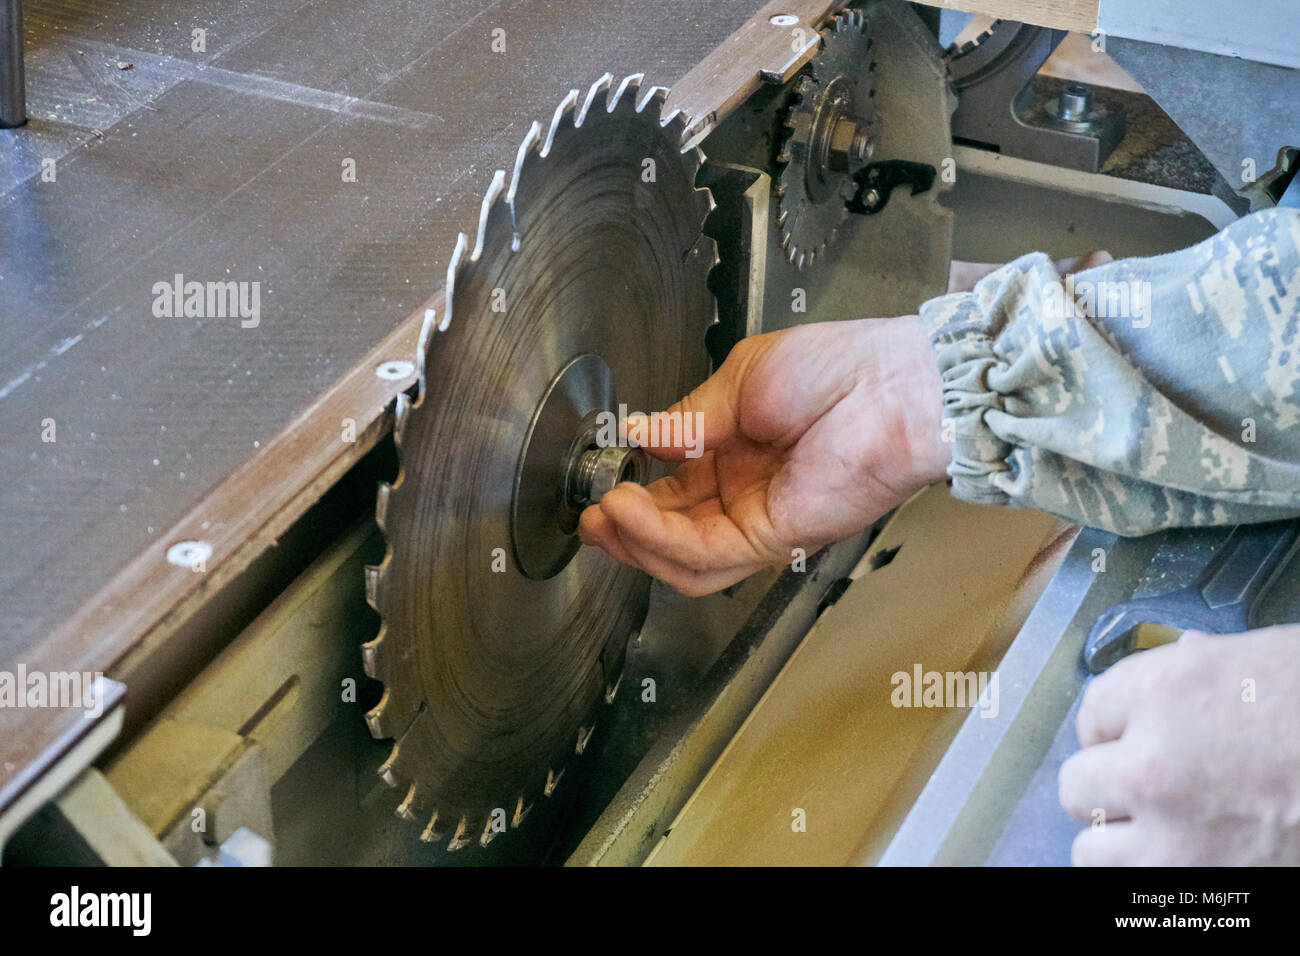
<point x="1139" y="395"/>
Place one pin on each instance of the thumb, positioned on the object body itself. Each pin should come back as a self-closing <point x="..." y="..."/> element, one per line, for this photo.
<point x="704" y="419"/>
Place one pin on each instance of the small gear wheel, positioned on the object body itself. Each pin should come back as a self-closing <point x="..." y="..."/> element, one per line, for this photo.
<point x="828" y="137"/>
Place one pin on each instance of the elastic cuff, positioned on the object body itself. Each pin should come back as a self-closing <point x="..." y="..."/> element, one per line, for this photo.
<point x="958" y="330"/>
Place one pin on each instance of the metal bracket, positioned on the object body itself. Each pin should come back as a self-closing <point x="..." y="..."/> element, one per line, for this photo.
<point x="878" y="180"/>
<point x="994" y="81"/>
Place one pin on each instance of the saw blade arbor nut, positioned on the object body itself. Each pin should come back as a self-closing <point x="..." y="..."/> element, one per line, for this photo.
<point x="598" y="470"/>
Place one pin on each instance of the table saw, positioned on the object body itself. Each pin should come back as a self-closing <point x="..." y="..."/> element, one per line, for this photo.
<point x="316" y="312"/>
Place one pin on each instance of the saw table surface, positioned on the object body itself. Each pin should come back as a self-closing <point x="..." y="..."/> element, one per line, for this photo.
<point x="146" y="158"/>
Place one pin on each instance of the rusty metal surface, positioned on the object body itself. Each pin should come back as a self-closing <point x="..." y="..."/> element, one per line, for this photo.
<point x="226" y="165"/>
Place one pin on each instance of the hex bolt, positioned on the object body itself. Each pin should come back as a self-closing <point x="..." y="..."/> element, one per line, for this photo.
<point x="850" y="146"/>
<point x="1075" y="103"/>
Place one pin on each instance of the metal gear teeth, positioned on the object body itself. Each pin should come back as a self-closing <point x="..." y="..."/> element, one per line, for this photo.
<point x="850" y="20"/>
<point x="846" y="22"/>
<point x="499" y="214"/>
<point x="955" y="50"/>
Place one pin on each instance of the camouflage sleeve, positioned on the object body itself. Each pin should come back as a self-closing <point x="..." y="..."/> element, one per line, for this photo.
<point x="1139" y="395"/>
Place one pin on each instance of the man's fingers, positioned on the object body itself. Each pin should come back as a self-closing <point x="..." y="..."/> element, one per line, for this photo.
<point x="1115" y="844"/>
<point x="714" y="541"/>
<point x="1094" y="259"/>
<point x="964" y="276"/>
<point x="693" y="582"/>
<point x="705" y="418"/>
<point x="692" y="483"/>
<point x="1107" y="702"/>
<point x="595" y="529"/>
<point x="1092" y="787"/>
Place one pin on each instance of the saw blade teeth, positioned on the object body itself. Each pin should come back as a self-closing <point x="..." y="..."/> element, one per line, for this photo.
<point x="562" y="112"/>
<point x="409" y="808"/>
<point x="492" y="214"/>
<point x="631" y="84"/>
<point x="427" y="327"/>
<point x="706" y="202"/>
<point x="521" y="811"/>
<point x="377" y="718"/>
<point x="584" y="738"/>
<point x="530" y="143"/>
<point x="461" y="839"/>
<point x="406" y="809"/>
<point x="381" y="505"/>
<point x="530" y="150"/>
<point x="430" y="833"/>
<point x="848" y="20"/>
<point x="401" y="414"/>
<point x="389" y="770"/>
<point x="375" y="585"/>
<point x="369" y="653"/>
<point x="489" y="832"/>
<point x="552" y="781"/>
<point x="652" y="101"/>
<point x="416" y="804"/>
<point x="611" y="690"/>
<point x="675" y="123"/>
<point x="597" y="98"/>
<point x="695" y="156"/>
<point x="453" y="267"/>
<point x="398" y="708"/>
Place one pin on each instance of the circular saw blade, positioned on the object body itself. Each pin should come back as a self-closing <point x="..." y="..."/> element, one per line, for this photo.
<point x="492" y="675"/>
<point x="810" y="201"/>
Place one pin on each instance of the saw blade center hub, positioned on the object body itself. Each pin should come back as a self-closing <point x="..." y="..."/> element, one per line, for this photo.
<point x="571" y="457"/>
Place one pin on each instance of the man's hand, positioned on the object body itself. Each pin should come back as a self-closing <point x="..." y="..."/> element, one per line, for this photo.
<point x="809" y="435"/>
<point x="1192" y="753"/>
